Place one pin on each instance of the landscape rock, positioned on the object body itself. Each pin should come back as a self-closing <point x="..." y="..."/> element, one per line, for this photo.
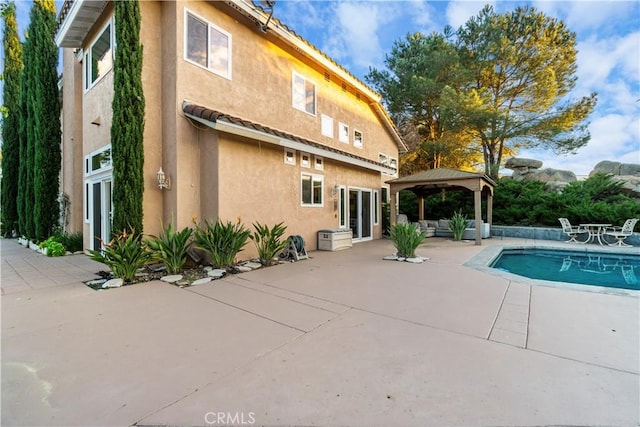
<point x="201" y="281"/>
<point x="390" y="258"/>
<point x="171" y="278"/>
<point x="252" y="265"/>
<point x="243" y="269"/>
<point x="96" y="282"/>
<point x="417" y="260"/>
<point x="216" y="273"/>
<point x="113" y="283"/>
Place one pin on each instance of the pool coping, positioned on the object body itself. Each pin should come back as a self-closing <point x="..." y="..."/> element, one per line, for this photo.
<point x="487" y="256"/>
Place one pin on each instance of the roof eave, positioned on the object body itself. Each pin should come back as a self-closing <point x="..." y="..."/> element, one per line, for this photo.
<point x="76" y="20"/>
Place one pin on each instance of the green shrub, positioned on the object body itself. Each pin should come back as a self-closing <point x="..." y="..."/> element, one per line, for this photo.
<point x="268" y="241"/>
<point x="73" y="242"/>
<point x="124" y="255"/>
<point x="406" y="238"/>
<point x="53" y="246"/>
<point x="221" y="241"/>
<point x="171" y="247"/>
<point x="457" y="225"/>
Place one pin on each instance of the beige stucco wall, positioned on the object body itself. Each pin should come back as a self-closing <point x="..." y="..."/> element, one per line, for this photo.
<point x="254" y="184"/>
<point x="153" y="140"/>
<point x="72" y="153"/>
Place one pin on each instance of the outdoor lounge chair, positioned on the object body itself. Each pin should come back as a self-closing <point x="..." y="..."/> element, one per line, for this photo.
<point x="571" y="231"/>
<point x="621" y="233"/>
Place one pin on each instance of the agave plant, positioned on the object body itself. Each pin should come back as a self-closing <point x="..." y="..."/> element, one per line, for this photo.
<point x="457" y="225"/>
<point x="171" y="247"/>
<point x="221" y="241"/>
<point x="268" y="241"/>
<point x="406" y="238"/>
<point x="125" y="254"/>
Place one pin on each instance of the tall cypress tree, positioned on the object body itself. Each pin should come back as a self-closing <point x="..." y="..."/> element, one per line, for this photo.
<point x="11" y="122"/>
<point x="27" y="135"/>
<point x="46" y="108"/>
<point x="128" y="120"/>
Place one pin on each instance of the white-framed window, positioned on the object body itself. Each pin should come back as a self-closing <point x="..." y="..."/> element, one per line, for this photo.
<point x="376" y="207"/>
<point x="98" y="161"/>
<point x="357" y="138"/>
<point x="311" y="189"/>
<point x="303" y="94"/>
<point x="393" y="162"/>
<point x="305" y="160"/>
<point x="98" y="59"/>
<point x="289" y="156"/>
<point x="327" y="126"/>
<point x="383" y="158"/>
<point x="343" y="132"/>
<point x="318" y="163"/>
<point x="207" y="45"/>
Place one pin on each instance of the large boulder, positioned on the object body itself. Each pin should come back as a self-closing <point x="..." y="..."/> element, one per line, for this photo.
<point x="616" y="168"/>
<point x="555" y="179"/>
<point x="630" y="184"/>
<point x="627" y="173"/>
<point x="522" y="167"/>
<point x="517" y="162"/>
<point x="553" y="175"/>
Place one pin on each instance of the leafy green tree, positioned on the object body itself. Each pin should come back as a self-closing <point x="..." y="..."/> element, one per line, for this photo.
<point x="522" y="66"/>
<point x="128" y="120"/>
<point x="11" y="120"/>
<point x="418" y="70"/>
<point x="46" y="108"/>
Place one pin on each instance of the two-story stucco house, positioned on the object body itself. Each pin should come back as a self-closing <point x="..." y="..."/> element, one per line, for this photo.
<point x="244" y="121"/>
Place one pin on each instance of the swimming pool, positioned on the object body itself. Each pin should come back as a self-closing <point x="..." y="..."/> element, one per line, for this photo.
<point x="605" y="269"/>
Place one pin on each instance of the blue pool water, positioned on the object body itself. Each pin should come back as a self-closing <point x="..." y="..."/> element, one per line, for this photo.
<point x="585" y="268"/>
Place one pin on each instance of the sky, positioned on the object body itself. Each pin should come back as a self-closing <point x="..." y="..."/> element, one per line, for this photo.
<point x="358" y="35"/>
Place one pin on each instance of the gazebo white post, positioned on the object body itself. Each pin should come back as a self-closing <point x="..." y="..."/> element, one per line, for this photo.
<point x="477" y="197"/>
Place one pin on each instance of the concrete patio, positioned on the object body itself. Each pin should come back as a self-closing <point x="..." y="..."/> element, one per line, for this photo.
<point x="343" y="338"/>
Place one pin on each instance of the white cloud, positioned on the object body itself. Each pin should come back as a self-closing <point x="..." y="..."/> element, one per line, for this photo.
<point x="355" y="29"/>
<point x="459" y="12"/>
<point x="599" y="58"/>
<point x="422" y="14"/>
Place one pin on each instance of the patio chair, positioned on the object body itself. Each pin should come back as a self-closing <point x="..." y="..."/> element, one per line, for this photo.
<point x="571" y="231"/>
<point x="621" y="233"/>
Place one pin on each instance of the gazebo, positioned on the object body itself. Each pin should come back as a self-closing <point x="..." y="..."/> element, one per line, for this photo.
<point x="434" y="180"/>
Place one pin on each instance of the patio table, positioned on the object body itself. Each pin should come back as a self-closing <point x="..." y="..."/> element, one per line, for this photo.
<point x="595" y="232"/>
